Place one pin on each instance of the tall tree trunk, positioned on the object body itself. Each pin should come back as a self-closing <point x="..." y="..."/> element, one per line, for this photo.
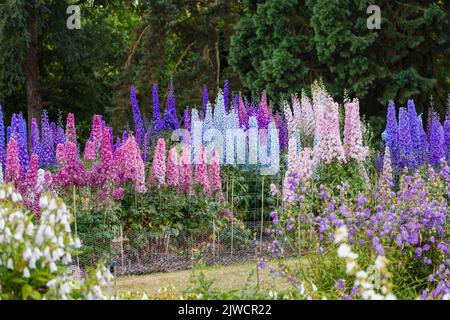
<point x="31" y="70"/>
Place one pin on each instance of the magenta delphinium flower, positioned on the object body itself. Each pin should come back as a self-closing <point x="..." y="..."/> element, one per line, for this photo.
<point x="128" y="165"/>
<point x="32" y="173"/>
<point x="243" y="116"/>
<point x="2" y="139"/>
<point x="89" y="151"/>
<point x="173" y="168"/>
<point x="352" y="133"/>
<point x="13" y="171"/>
<point x="35" y="140"/>
<point x="157" y="120"/>
<point x="60" y="153"/>
<point x="71" y="135"/>
<point x="72" y="173"/>
<point x="159" y="164"/>
<point x="264" y="113"/>
<point x="205" y="99"/>
<point x="186" y="170"/>
<point x="405" y="147"/>
<point x="97" y="131"/>
<point x="436" y="141"/>
<point x="137" y="119"/>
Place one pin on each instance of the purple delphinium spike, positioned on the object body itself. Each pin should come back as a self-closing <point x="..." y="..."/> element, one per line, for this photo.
<point x="205" y="100"/>
<point x="225" y="96"/>
<point x="416" y="128"/>
<point x="171" y="118"/>
<point x="137" y="119"/>
<point x="60" y="135"/>
<point x="23" y="129"/>
<point x="35" y="140"/>
<point x="447" y="138"/>
<point x="391" y="138"/>
<point x="2" y="139"/>
<point x="405" y="143"/>
<point x="187" y="119"/>
<point x="146" y="147"/>
<point x="436" y="140"/>
<point x="17" y="133"/>
<point x="157" y="121"/>
<point x="47" y="155"/>
<point x="125" y="135"/>
<point x="54" y="131"/>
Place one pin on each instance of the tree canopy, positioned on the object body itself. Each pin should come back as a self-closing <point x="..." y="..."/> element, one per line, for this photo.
<point x="272" y="45"/>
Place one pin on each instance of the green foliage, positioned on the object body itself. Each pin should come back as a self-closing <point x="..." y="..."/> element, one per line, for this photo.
<point x="281" y="45"/>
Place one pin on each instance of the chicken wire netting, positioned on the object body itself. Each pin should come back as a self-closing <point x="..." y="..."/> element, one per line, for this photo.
<point x="239" y="240"/>
<point x="148" y="253"/>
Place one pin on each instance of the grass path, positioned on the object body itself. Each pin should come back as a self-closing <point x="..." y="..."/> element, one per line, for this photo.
<point x="231" y="277"/>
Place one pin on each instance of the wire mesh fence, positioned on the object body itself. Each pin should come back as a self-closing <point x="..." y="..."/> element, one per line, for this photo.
<point x="146" y="252"/>
<point x="126" y="254"/>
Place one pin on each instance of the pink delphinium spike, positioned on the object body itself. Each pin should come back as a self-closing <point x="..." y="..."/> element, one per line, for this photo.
<point x="352" y="133"/>
<point x="200" y="168"/>
<point x="214" y="173"/>
<point x="13" y="172"/>
<point x="89" y="151"/>
<point x="292" y="156"/>
<point x="307" y="125"/>
<point x="329" y="146"/>
<point x="71" y="135"/>
<point x="186" y="170"/>
<point x="60" y="153"/>
<point x="305" y="170"/>
<point x="159" y="164"/>
<point x="173" y="168"/>
<point x="128" y="165"/>
<point x="97" y="127"/>
<point x="106" y="148"/>
<point x="31" y="178"/>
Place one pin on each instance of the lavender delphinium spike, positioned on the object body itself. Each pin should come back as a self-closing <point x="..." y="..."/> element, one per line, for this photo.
<point x="137" y="119"/>
<point x="2" y="139"/>
<point x="391" y="134"/>
<point x="405" y="143"/>
<point x="415" y="125"/>
<point x="436" y="140"/>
